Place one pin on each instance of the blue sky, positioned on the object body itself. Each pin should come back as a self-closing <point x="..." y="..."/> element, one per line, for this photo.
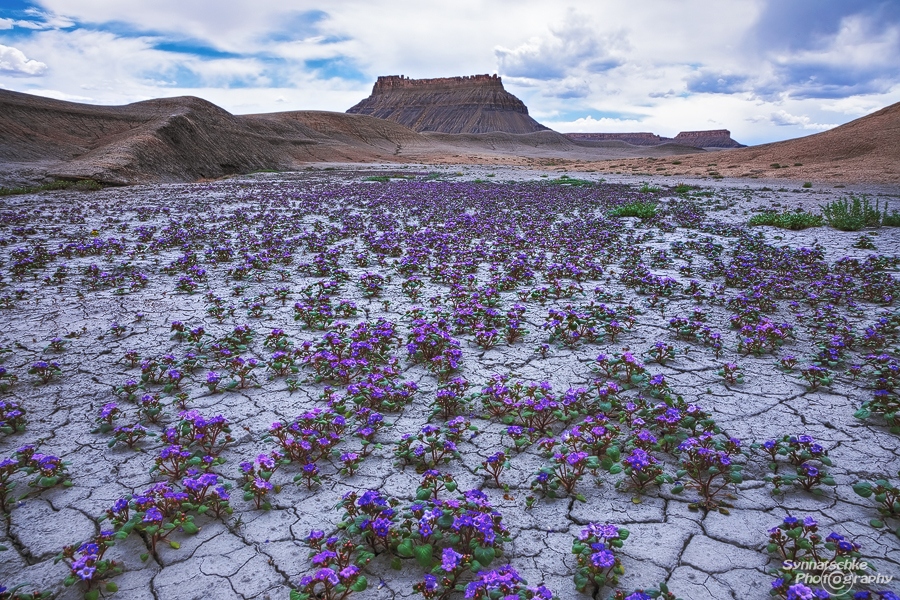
<point x="765" y="69"/>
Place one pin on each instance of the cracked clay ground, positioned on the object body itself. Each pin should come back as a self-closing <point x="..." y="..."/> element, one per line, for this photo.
<point x="255" y="553"/>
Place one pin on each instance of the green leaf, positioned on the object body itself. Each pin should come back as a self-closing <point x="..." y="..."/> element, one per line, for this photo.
<point x="863" y="489"/>
<point x="112" y="587"/>
<point x="144" y="557"/>
<point x="92" y="595"/>
<point x="174" y="545"/>
<point x="484" y="555"/>
<point x="189" y="528"/>
<point x="876" y="523"/>
<point x="295" y="595"/>
<point x="360" y="585"/>
<point x="423" y="555"/>
<point x="405" y="549"/>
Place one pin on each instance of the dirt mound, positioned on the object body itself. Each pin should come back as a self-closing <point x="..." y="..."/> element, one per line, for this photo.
<point x="181" y="139"/>
<point x="476" y="104"/>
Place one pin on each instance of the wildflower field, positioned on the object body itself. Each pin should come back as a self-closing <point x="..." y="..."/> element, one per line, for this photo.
<point x="372" y="384"/>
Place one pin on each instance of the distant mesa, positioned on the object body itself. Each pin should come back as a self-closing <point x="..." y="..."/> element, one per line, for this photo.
<point x="712" y="138"/>
<point x="471" y="104"/>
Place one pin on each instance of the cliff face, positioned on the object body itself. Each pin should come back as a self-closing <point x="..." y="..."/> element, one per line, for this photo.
<point x="636" y="139"/>
<point x="476" y="104"/>
<point x="713" y="138"/>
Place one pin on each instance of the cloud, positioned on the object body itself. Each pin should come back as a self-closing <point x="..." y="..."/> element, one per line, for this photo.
<point x="655" y="65"/>
<point x="591" y="125"/>
<point x="782" y="118"/>
<point x="827" y="48"/>
<point x="706" y="81"/>
<point x="14" y="62"/>
<point x="341" y="67"/>
<point x="573" y="47"/>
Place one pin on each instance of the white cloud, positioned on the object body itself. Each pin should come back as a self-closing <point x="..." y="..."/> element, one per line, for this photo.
<point x="575" y="46"/>
<point x="58" y="95"/>
<point x="614" y="65"/>
<point x="591" y="125"/>
<point x="783" y="118"/>
<point x="14" y="62"/>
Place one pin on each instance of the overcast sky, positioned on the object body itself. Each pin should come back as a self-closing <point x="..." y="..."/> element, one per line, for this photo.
<point x="765" y="69"/>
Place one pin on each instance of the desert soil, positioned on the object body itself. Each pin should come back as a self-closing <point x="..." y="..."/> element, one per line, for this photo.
<point x="255" y="553"/>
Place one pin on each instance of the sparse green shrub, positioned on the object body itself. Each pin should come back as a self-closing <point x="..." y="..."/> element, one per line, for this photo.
<point x="852" y="214"/>
<point x="890" y="220"/>
<point x="566" y="180"/>
<point x="787" y="220"/>
<point x="641" y="210"/>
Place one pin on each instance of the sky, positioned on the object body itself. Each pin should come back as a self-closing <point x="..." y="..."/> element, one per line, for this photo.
<point x="767" y="70"/>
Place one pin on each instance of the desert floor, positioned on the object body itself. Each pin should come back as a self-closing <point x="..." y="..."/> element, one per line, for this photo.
<point x="464" y="220"/>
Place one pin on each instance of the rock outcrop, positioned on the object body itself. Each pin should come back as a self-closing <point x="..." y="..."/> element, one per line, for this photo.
<point x="713" y="138"/>
<point x="635" y="139"/>
<point x="475" y="104"/>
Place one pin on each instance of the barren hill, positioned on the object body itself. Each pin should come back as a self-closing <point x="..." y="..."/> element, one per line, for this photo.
<point x="864" y="150"/>
<point x="185" y="139"/>
<point x="476" y="104"/>
<point x="180" y="139"/>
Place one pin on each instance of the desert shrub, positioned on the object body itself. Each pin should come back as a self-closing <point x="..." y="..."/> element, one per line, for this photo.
<point x="787" y="220"/>
<point x="852" y="214"/>
<point x="566" y="180"/>
<point x="890" y="220"/>
<point x="641" y="210"/>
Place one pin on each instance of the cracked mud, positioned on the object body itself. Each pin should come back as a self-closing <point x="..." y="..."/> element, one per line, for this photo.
<point x="107" y="273"/>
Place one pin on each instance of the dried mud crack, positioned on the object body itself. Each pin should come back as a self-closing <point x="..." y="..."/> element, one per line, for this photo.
<point x="418" y="362"/>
